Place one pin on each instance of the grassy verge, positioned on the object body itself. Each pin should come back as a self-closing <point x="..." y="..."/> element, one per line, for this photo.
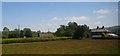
<point x="24" y="40"/>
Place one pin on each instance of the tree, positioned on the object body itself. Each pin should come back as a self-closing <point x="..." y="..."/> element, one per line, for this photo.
<point x="61" y="31"/>
<point x="5" y="33"/>
<point x="14" y="34"/>
<point x="77" y="33"/>
<point x="81" y="32"/>
<point x="27" y="32"/>
<point x="70" y="29"/>
<point x="87" y="32"/>
<point x="66" y="30"/>
<point x="21" y="33"/>
<point x="17" y="33"/>
<point x="38" y="31"/>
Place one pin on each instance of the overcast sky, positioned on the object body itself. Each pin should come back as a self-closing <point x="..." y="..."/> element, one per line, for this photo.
<point x="49" y="15"/>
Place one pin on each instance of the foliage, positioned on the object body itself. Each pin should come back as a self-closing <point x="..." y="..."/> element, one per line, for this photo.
<point x="16" y="33"/>
<point x="81" y="31"/>
<point x="66" y="30"/>
<point x="21" y="33"/>
<point x="39" y="31"/>
<point x="74" y="30"/>
<point x="78" y="33"/>
<point x="24" y="40"/>
<point x="61" y="31"/>
<point x="27" y="32"/>
<point x="12" y="34"/>
<point x="34" y="34"/>
<point x="5" y="33"/>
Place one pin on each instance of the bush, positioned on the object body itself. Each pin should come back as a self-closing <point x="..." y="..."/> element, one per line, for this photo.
<point x="24" y="40"/>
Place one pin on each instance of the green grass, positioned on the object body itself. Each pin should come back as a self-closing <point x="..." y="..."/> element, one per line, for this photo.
<point x="85" y="46"/>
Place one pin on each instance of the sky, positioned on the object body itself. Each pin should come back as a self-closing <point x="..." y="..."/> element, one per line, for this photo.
<point x="60" y="0"/>
<point x="50" y="15"/>
<point x="0" y="16"/>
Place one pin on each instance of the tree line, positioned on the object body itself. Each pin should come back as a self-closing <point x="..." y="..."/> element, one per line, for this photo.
<point x="74" y="30"/>
<point x="17" y="33"/>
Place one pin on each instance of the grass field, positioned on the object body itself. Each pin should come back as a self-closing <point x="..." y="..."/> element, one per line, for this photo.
<point x="85" y="46"/>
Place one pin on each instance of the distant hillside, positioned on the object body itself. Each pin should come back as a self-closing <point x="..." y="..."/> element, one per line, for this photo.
<point x="114" y="29"/>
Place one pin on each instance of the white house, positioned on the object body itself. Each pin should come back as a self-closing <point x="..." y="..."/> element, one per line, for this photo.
<point x="101" y="32"/>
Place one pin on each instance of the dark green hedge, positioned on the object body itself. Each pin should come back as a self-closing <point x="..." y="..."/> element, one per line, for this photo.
<point x="24" y="40"/>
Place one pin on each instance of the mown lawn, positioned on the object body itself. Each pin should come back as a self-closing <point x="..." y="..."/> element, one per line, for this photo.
<point x="85" y="46"/>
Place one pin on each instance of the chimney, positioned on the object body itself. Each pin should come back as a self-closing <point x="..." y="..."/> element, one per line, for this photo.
<point x="102" y="27"/>
<point x="97" y="27"/>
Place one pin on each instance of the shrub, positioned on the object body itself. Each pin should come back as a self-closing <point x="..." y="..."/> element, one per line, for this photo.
<point x="24" y="40"/>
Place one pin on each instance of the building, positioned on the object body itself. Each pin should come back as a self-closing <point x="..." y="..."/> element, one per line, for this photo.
<point x="102" y="33"/>
<point x="47" y="35"/>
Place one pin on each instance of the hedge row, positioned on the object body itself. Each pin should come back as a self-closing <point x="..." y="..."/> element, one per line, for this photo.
<point x="24" y="40"/>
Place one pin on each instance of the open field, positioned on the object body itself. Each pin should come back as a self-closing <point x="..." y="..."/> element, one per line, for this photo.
<point x="85" y="46"/>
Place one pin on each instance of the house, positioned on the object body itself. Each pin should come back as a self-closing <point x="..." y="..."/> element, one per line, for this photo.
<point x="102" y="32"/>
<point x="46" y="35"/>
